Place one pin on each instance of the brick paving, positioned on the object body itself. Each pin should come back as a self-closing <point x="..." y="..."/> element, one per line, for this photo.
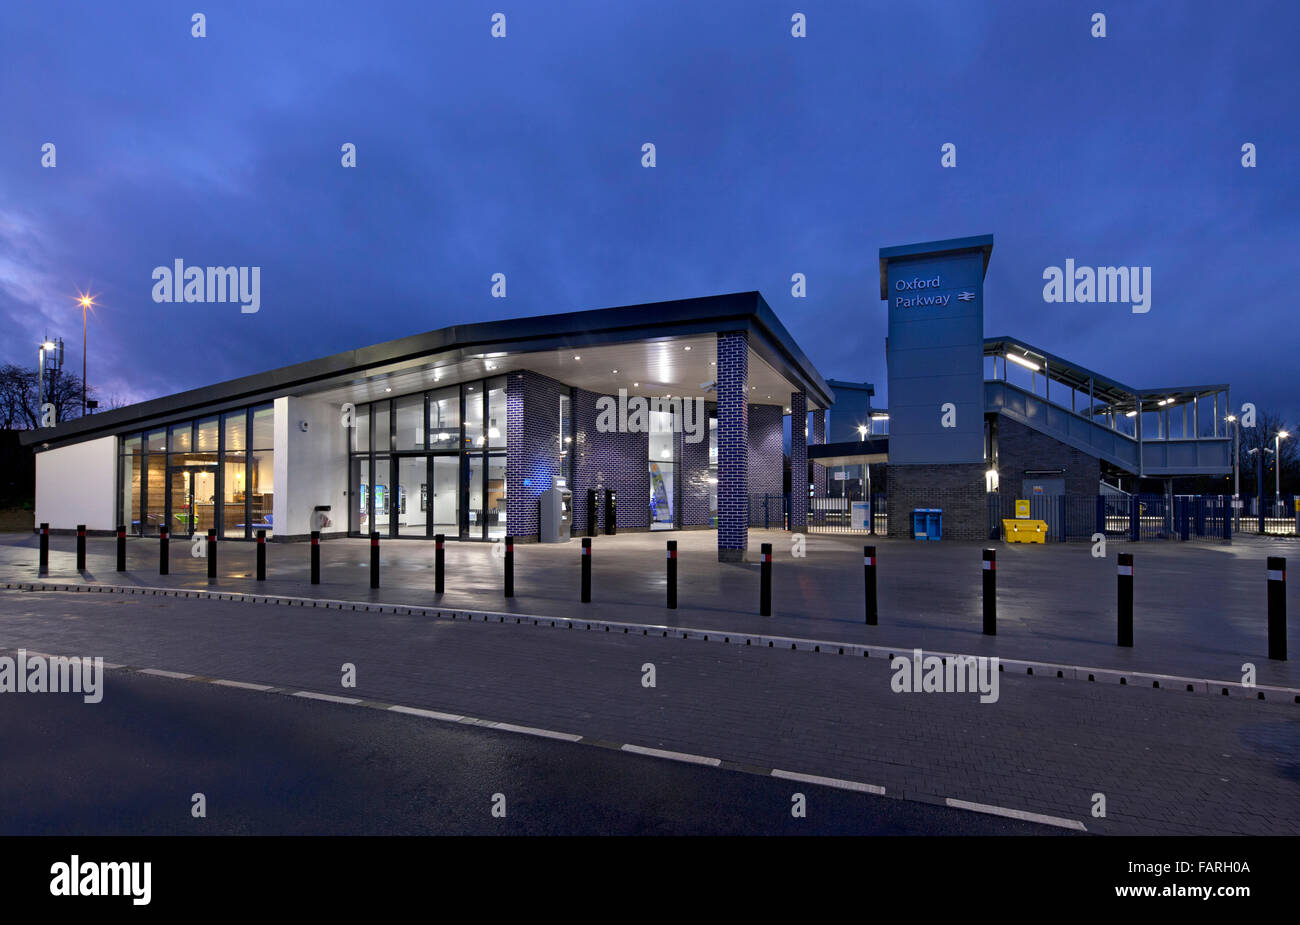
<point x="1199" y="610"/>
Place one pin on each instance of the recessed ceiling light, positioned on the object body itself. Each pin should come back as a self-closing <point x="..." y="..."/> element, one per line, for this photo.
<point x="687" y="347"/>
<point x="389" y="389"/>
<point x="577" y="356"/>
<point x="713" y="362"/>
<point x="614" y="371"/>
<point x="636" y="385"/>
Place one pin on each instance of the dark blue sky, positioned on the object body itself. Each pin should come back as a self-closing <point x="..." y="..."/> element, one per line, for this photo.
<point x="775" y="155"/>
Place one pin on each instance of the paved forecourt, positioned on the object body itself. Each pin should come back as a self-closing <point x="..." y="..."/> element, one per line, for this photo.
<point x="1200" y="611"/>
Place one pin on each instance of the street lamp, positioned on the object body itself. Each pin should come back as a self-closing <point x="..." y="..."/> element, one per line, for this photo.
<point x="47" y="346"/>
<point x="1236" y="455"/>
<point x="87" y="303"/>
<point x="1277" y="467"/>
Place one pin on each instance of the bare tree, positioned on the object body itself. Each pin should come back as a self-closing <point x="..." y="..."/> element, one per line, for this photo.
<point x="20" y="397"/>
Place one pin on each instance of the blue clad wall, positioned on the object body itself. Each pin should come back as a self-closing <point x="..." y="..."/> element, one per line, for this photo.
<point x="935" y="350"/>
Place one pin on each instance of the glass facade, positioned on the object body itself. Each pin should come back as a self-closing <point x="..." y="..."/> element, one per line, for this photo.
<point x="193" y="476"/>
<point x="431" y="463"/>
<point x="663" y="465"/>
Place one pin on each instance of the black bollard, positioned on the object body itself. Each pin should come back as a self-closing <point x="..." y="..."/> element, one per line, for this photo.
<point x="869" y="571"/>
<point x="81" y="547"/>
<point x="1277" y="607"/>
<point x="990" y="592"/>
<point x="374" y="560"/>
<point x="510" y="566"/>
<point x="261" y="555"/>
<point x="439" y="562"/>
<point x="43" y="561"/>
<point x="672" y="574"/>
<point x="121" y="547"/>
<point x="765" y="581"/>
<point x="164" y="562"/>
<point x="1125" y="590"/>
<point x="315" y="557"/>
<point x="212" y="555"/>
<point x="586" y="570"/>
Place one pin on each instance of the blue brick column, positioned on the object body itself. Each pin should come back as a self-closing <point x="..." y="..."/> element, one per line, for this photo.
<point x="733" y="446"/>
<point x="532" y="447"/>
<point x="798" y="462"/>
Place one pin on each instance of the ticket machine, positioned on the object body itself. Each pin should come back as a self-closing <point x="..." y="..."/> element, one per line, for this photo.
<point x="556" y="515"/>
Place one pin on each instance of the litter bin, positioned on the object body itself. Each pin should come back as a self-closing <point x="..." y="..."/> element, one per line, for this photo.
<point x="927" y="523"/>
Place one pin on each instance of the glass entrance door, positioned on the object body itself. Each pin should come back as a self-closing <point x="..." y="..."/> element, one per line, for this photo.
<point x="191" y="499"/>
<point x="412" y="514"/>
<point x="180" y="502"/>
<point x="445" y="495"/>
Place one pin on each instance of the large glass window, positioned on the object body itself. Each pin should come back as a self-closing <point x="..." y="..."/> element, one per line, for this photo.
<point x="412" y="495"/>
<point x="474" y="515"/>
<point x="410" y="422"/>
<point x="264" y="428"/>
<point x="129" y="508"/>
<point x="234" y="491"/>
<point x="380" y="421"/>
<point x="181" y="440"/>
<point x="261" y="471"/>
<point x="233" y="497"/>
<point x="236" y="436"/>
<point x="261" y="490"/>
<point x="361" y="430"/>
<point x="207" y="436"/>
<point x="453" y="480"/>
<point x="496" y="397"/>
<point x="446" y="495"/>
<point x="156" y="498"/>
<point x="474" y="438"/>
<point x="663" y="444"/>
<point x="382" y="491"/>
<point x="444" y="419"/>
<point x="496" y="496"/>
<point x="213" y="473"/>
<point x="359" y="520"/>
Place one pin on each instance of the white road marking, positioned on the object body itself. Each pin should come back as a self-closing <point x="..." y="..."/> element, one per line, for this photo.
<point x="829" y="781"/>
<point x="1017" y="814"/>
<point x="675" y="756"/>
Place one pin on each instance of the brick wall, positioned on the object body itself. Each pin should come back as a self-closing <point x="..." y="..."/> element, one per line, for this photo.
<point x="766" y="450"/>
<point x="798" y="462"/>
<point x="620" y="461"/>
<point x="733" y="445"/>
<point x="1021" y="448"/>
<point x="533" y="435"/>
<point x="693" y="506"/>
<point x="956" y="488"/>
